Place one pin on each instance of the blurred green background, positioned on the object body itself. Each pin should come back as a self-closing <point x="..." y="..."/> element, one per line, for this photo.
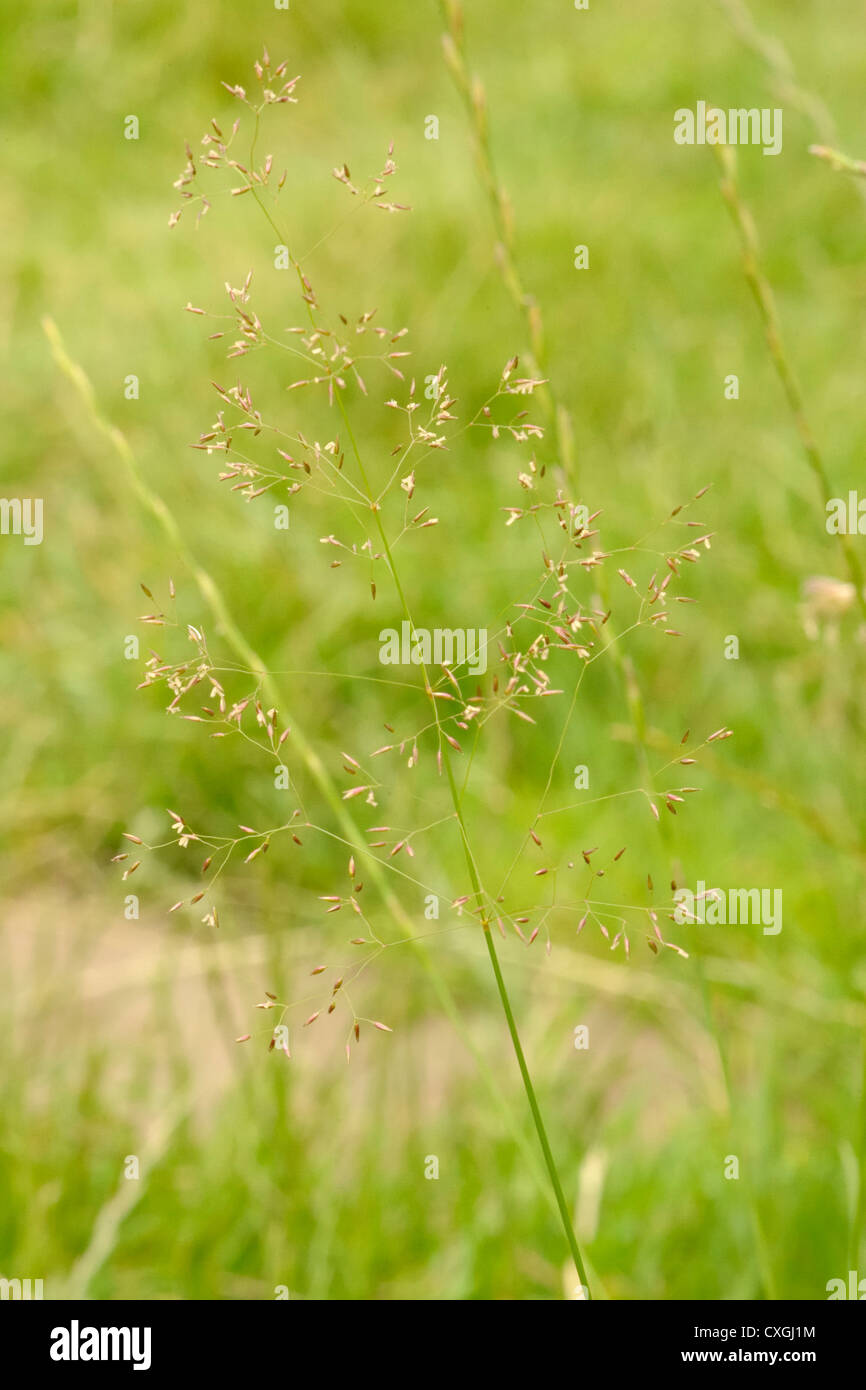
<point x="117" y="1035"/>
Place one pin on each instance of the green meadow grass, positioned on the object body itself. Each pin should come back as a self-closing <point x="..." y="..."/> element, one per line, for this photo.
<point x="117" y="1036"/>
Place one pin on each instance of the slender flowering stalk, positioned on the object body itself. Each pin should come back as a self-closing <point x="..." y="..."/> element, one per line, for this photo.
<point x="549" y="639"/>
<point x="474" y="99"/>
<point x="766" y="304"/>
<point x="773" y="53"/>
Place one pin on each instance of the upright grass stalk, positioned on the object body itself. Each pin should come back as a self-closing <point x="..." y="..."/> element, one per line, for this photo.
<point x="842" y="163"/>
<point x="473" y="97"/>
<point x="773" y="53"/>
<point x="765" y="301"/>
<point x="766" y="305"/>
